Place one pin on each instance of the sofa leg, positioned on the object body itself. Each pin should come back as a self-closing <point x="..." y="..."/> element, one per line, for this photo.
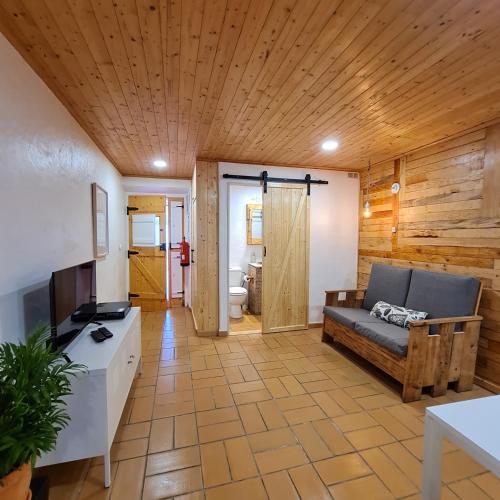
<point x="437" y="391"/>
<point x="464" y="383"/>
<point x="411" y="393"/>
<point x="467" y="369"/>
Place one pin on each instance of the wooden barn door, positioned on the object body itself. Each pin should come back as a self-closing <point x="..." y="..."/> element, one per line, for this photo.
<point x="147" y="263"/>
<point x="285" y="270"/>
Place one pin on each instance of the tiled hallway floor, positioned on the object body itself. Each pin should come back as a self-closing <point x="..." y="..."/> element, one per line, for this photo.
<point x="280" y="416"/>
<point x="250" y="323"/>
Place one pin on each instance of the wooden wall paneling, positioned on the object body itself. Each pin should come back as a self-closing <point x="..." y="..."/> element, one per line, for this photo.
<point x="205" y="277"/>
<point x="441" y="228"/>
<point x="193" y="249"/>
<point x="491" y="187"/>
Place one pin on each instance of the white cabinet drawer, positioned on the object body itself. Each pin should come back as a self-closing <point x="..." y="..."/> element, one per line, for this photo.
<point x="120" y="376"/>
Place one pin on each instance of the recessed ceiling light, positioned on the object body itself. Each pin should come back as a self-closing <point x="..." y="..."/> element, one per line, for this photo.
<point x="329" y="145"/>
<point x="160" y="163"/>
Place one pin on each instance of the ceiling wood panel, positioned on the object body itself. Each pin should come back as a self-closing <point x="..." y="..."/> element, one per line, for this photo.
<point x="263" y="81"/>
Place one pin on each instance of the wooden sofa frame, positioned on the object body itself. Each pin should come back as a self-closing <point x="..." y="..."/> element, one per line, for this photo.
<point x="432" y="359"/>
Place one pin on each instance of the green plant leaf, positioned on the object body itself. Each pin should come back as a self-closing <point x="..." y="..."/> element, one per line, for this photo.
<point x="33" y="383"/>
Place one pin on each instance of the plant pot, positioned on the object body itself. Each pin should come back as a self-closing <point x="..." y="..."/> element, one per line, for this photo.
<point x="16" y="485"/>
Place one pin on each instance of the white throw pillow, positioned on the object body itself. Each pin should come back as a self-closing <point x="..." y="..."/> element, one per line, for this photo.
<point x="397" y="315"/>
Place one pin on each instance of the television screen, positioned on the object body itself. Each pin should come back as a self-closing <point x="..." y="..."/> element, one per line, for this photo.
<point x="72" y="302"/>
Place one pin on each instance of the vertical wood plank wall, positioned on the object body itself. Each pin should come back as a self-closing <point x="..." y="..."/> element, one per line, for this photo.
<point x="442" y="225"/>
<point x="205" y="278"/>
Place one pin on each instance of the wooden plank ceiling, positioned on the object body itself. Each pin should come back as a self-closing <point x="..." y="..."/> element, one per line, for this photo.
<point x="260" y="80"/>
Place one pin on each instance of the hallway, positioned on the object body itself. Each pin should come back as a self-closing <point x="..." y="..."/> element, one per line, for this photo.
<point x="279" y="416"/>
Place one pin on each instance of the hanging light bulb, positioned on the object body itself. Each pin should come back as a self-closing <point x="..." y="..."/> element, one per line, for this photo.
<point x="367" y="212"/>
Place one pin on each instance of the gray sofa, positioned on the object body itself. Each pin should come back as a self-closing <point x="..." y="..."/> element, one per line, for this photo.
<point x="448" y="300"/>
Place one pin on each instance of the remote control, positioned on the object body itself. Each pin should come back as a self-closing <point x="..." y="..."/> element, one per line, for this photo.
<point x="105" y="332"/>
<point x="97" y="336"/>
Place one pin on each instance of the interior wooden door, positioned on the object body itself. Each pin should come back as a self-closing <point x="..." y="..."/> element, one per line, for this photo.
<point x="147" y="257"/>
<point x="175" y="235"/>
<point x="285" y="264"/>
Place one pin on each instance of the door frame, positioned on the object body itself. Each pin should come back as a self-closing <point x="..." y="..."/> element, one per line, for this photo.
<point x="228" y="241"/>
<point x="169" y="200"/>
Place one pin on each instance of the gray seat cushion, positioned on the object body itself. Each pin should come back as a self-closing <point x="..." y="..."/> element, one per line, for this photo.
<point x="392" y="337"/>
<point x="348" y="316"/>
<point x="442" y="295"/>
<point x="389" y="284"/>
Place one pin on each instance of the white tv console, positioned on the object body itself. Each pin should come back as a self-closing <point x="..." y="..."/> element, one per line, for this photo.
<point x="99" y="396"/>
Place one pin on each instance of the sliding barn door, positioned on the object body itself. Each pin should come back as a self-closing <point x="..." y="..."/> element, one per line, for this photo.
<point x="285" y="270"/>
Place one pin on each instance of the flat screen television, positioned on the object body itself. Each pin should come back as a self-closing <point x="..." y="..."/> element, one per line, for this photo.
<point x="72" y="302"/>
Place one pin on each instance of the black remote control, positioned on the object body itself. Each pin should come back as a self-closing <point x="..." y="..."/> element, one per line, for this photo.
<point x="105" y="332"/>
<point x="97" y="336"/>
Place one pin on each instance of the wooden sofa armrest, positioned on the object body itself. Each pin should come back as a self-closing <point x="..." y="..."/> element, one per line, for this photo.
<point x="443" y="321"/>
<point x="353" y="298"/>
<point x="417" y="359"/>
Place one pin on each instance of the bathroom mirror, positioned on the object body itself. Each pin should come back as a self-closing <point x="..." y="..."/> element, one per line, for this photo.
<point x="254" y="224"/>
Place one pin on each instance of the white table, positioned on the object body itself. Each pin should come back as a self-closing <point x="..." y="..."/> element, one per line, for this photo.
<point x="473" y="425"/>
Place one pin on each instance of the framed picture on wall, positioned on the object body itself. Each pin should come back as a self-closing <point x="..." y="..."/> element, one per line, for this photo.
<point x="100" y="220"/>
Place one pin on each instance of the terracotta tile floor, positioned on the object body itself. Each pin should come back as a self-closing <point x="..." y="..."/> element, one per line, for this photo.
<point x="248" y="323"/>
<point x="280" y="416"/>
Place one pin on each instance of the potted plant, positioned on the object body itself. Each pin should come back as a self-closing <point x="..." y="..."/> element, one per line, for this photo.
<point x="33" y="382"/>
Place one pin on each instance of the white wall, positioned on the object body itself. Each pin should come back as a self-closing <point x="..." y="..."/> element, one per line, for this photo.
<point x="239" y="252"/>
<point x="174" y="188"/>
<point x="333" y="239"/>
<point x="47" y="165"/>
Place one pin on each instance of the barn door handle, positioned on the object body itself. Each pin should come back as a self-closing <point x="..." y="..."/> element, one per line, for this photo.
<point x="264" y="251"/>
<point x="192" y="256"/>
<point x="131" y="252"/>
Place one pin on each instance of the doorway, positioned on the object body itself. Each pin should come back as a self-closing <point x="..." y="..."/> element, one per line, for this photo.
<point x="147" y="250"/>
<point x="245" y="258"/>
<point x="175" y="274"/>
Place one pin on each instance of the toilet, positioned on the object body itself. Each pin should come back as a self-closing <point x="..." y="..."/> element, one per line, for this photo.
<point x="237" y="294"/>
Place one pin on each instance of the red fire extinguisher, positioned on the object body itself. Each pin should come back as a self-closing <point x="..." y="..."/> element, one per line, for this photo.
<point x="184" y="252"/>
